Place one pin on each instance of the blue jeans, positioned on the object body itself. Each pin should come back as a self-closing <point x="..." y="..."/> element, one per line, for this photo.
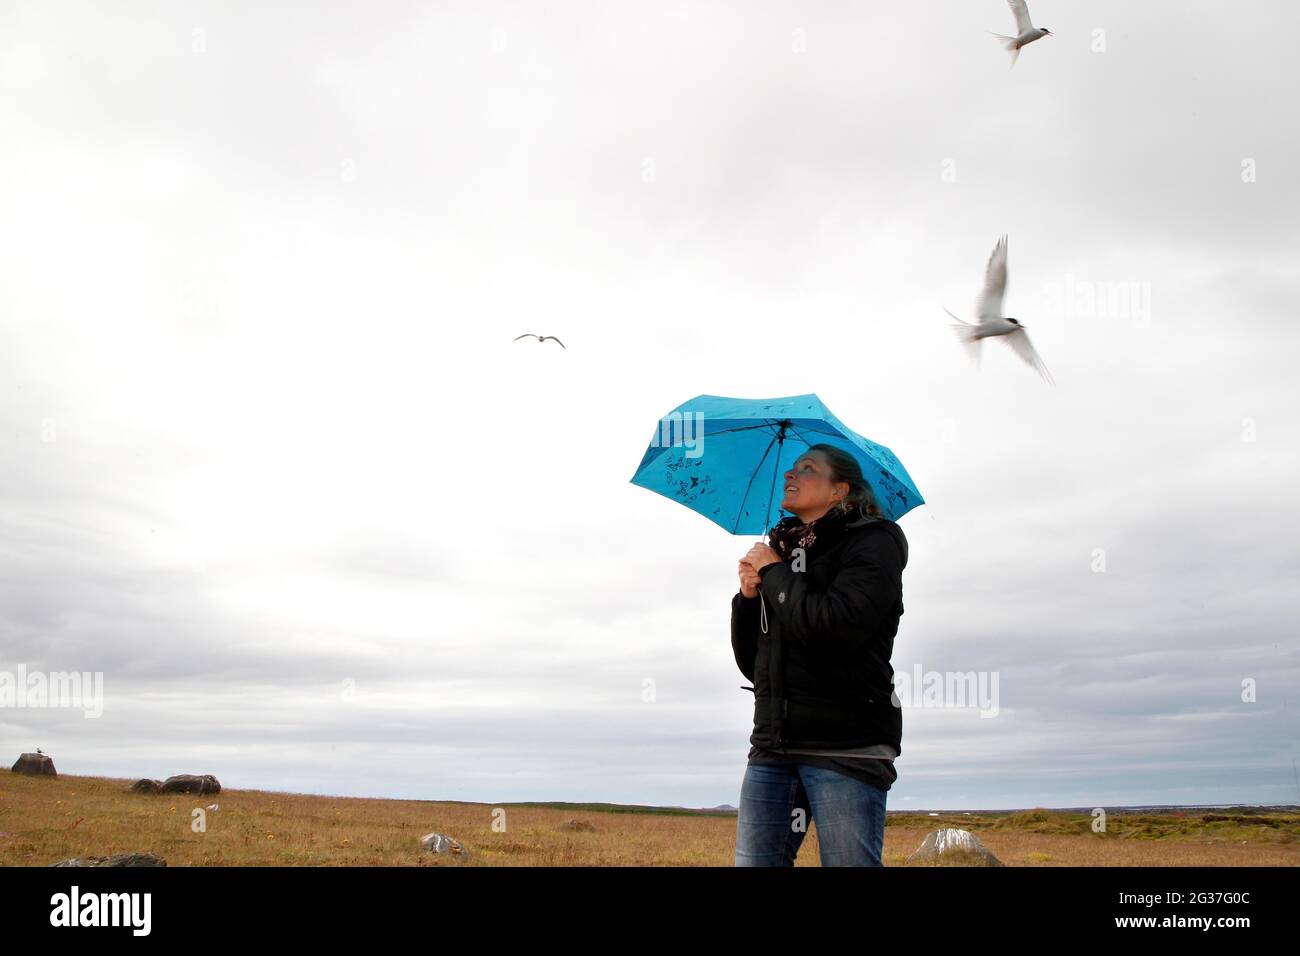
<point x="849" y="814"/>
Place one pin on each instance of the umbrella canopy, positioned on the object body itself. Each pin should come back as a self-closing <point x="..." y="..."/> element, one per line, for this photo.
<point x="724" y="456"/>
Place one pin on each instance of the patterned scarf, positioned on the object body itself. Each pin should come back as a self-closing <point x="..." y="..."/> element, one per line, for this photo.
<point x="790" y="532"/>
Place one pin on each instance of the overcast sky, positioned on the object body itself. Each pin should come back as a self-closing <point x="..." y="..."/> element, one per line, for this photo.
<point x="270" y="461"/>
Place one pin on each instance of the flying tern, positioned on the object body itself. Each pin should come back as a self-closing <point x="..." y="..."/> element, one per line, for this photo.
<point x="540" y="338"/>
<point x="988" y="307"/>
<point x="1026" y="32"/>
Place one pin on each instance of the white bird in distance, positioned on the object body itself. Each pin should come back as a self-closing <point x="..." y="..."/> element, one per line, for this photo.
<point x="1026" y="32"/>
<point x="991" y="321"/>
<point x="540" y="338"/>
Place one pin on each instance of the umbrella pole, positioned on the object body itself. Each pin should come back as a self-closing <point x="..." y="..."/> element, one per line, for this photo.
<point x="767" y="521"/>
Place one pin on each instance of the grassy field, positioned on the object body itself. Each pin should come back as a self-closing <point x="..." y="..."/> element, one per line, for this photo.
<point x="44" y="820"/>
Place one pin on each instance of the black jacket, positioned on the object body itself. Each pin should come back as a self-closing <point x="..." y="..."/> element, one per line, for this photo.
<point x="821" y="673"/>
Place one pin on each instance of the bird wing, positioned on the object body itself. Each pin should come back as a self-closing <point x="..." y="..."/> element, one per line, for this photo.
<point x="1021" y="11"/>
<point x="1019" y="340"/>
<point x="545" y="337"/>
<point x="524" y="336"/>
<point x="989" y="303"/>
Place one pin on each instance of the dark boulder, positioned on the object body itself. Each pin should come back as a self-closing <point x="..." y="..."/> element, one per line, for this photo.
<point x="38" y="765"/>
<point x="191" y="783"/>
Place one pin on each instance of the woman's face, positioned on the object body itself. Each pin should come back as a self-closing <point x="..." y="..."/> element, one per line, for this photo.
<point x="809" y="492"/>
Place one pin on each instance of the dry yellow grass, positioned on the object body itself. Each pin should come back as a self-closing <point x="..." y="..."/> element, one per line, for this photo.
<point x="44" y="820"/>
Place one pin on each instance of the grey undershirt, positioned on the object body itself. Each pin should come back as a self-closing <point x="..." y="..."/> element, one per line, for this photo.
<point x="880" y="751"/>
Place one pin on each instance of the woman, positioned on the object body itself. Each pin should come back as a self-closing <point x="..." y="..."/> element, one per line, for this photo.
<point x="813" y="627"/>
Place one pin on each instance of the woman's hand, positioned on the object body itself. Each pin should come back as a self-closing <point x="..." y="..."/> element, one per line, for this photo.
<point x="760" y="556"/>
<point x="749" y="581"/>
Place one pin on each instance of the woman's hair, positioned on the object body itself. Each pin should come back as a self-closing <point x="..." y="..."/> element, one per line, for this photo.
<point x="844" y="467"/>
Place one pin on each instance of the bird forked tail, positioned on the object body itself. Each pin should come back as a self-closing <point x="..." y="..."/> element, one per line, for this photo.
<point x="1009" y="44"/>
<point x="966" y="335"/>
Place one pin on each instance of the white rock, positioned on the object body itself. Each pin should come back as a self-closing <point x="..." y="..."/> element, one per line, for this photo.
<point x="958" y="846"/>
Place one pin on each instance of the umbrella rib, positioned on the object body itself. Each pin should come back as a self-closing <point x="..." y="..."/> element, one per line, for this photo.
<point x="800" y="437"/>
<point x="776" y="466"/>
<point x="741" y="510"/>
<point x="742" y="428"/>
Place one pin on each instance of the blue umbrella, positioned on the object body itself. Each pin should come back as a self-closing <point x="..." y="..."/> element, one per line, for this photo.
<point x="723" y="456"/>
